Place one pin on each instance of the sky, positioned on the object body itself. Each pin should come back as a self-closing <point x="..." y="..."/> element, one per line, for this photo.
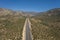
<point x="30" y="5"/>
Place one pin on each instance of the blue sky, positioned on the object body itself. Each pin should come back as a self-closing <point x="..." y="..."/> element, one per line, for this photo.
<point x="30" y="5"/>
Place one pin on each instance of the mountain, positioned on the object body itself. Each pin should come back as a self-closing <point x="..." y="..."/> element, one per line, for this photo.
<point x="53" y="11"/>
<point x="49" y="14"/>
<point x="31" y="13"/>
<point x="46" y="25"/>
<point x="4" y="12"/>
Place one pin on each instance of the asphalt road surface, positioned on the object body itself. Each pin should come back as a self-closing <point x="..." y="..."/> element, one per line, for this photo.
<point x="27" y="32"/>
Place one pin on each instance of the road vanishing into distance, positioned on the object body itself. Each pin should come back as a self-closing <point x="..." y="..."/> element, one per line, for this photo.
<point x="27" y="35"/>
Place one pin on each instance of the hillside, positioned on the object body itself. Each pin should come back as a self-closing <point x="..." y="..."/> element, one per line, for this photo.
<point x="46" y="25"/>
<point x="11" y="24"/>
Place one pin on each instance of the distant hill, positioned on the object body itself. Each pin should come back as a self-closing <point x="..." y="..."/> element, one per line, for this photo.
<point x="53" y="11"/>
<point x="5" y="12"/>
<point x="49" y="14"/>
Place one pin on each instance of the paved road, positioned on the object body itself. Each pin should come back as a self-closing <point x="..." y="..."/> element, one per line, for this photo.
<point x="26" y="31"/>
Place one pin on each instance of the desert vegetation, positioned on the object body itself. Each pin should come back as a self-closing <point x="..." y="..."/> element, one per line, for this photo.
<point x="11" y="25"/>
<point x="11" y="28"/>
<point x="46" y="26"/>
